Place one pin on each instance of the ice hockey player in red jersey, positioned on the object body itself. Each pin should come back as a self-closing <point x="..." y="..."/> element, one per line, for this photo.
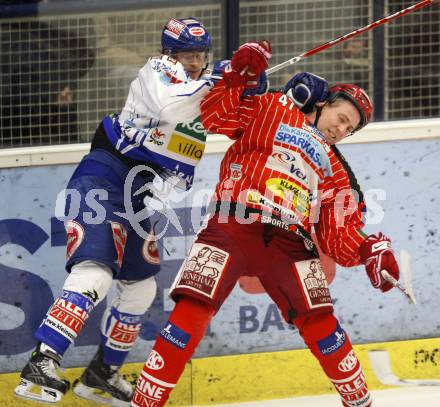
<point x="282" y="176"/>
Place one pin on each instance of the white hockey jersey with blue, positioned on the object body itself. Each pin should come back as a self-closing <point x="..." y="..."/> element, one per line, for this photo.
<point x="160" y="120"/>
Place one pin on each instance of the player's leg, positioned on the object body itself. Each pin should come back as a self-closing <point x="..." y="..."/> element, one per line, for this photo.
<point x="331" y="345"/>
<point x="87" y="284"/>
<point x="173" y="348"/>
<point x="120" y="325"/>
<point x="298" y="286"/>
<point x="205" y="279"/>
<point x="94" y="248"/>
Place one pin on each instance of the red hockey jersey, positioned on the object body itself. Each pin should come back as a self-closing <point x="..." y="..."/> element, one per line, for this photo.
<point x="282" y="164"/>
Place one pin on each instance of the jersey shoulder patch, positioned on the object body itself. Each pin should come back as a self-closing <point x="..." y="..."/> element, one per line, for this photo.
<point x="169" y="70"/>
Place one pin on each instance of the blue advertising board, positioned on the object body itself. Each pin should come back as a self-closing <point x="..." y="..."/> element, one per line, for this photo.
<point x="400" y="181"/>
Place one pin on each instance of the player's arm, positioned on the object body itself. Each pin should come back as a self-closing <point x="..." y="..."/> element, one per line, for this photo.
<point x="340" y="229"/>
<point x="350" y="246"/>
<point x="214" y="73"/>
<point x="172" y="96"/>
<point x="230" y="106"/>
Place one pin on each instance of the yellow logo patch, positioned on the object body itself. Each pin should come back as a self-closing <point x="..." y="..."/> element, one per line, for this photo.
<point x="291" y="192"/>
<point x="186" y="147"/>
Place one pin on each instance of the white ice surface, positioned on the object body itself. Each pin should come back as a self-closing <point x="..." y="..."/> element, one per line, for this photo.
<point x="428" y="396"/>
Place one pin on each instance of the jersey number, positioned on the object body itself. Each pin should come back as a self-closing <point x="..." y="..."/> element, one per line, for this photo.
<point x="284" y="100"/>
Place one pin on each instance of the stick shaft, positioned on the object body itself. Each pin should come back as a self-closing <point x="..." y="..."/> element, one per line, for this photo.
<point x="359" y="31"/>
<point x="387" y="276"/>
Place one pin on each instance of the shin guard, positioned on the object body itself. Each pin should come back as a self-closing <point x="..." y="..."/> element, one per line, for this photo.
<point x="119" y="332"/>
<point x="330" y="344"/>
<point x="64" y="321"/>
<point x="174" y="347"/>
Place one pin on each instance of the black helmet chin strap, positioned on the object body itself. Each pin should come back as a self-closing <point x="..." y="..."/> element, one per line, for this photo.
<point x="318" y="115"/>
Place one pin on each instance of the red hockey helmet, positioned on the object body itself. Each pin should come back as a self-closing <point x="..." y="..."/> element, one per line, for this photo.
<point x="357" y="96"/>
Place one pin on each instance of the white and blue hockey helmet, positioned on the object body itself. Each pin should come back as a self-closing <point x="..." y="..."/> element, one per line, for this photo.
<point x="185" y="34"/>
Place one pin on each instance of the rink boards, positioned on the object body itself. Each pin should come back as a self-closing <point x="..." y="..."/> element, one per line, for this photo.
<point x="399" y="178"/>
<point x="265" y="376"/>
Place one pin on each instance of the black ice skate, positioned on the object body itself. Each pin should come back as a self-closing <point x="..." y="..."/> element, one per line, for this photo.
<point x="103" y="384"/>
<point x="39" y="380"/>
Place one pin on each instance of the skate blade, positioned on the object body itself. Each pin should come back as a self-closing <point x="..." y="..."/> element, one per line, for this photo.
<point x="31" y="391"/>
<point x="98" y="396"/>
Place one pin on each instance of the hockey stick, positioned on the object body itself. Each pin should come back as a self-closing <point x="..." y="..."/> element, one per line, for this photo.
<point x="387" y="276"/>
<point x="381" y="364"/>
<point x="338" y="40"/>
<point x="405" y="268"/>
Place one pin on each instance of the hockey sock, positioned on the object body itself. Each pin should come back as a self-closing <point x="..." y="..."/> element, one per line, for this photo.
<point x="174" y="347"/>
<point x="119" y="332"/>
<point x="330" y="344"/>
<point x="64" y="321"/>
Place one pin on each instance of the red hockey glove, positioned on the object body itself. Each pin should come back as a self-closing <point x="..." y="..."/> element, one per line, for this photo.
<point x="377" y="255"/>
<point x="247" y="64"/>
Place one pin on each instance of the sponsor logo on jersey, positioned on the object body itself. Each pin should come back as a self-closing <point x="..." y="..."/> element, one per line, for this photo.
<point x="283" y="156"/>
<point x="291" y="163"/>
<point x="202" y="270"/>
<point x="318" y="134"/>
<point x="158" y="65"/>
<point x="75" y="236"/>
<point x="348" y="363"/>
<point x="290" y="192"/>
<point x="287" y="159"/>
<point x="155" y="361"/>
<point x="197" y="31"/>
<point x="120" y="240"/>
<point x="175" y="335"/>
<point x="300" y="138"/>
<point x="236" y="172"/>
<point x="353" y="389"/>
<point x="150" y="252"/>
<point x="333" y="342"/>
<point x="186" y="147"/>
<point x="174" y="28"/>
<point x="314" y="283"/>
<point x="286" y="214"/>
<point x="194" y="129"/>
<point x="294" y="168"/>
<point x="156" y="137"/>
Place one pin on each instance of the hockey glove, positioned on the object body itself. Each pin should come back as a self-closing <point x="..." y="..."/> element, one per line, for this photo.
<point x="218" y="69"/>
<point x="377" y="255"/>
<point x="260" y="89"/>
<point x="247" y="64"/>
<point x="305" y="89"/>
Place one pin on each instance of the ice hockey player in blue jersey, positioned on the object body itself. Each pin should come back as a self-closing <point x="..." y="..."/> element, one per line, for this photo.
<point x="159" y="128"/>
